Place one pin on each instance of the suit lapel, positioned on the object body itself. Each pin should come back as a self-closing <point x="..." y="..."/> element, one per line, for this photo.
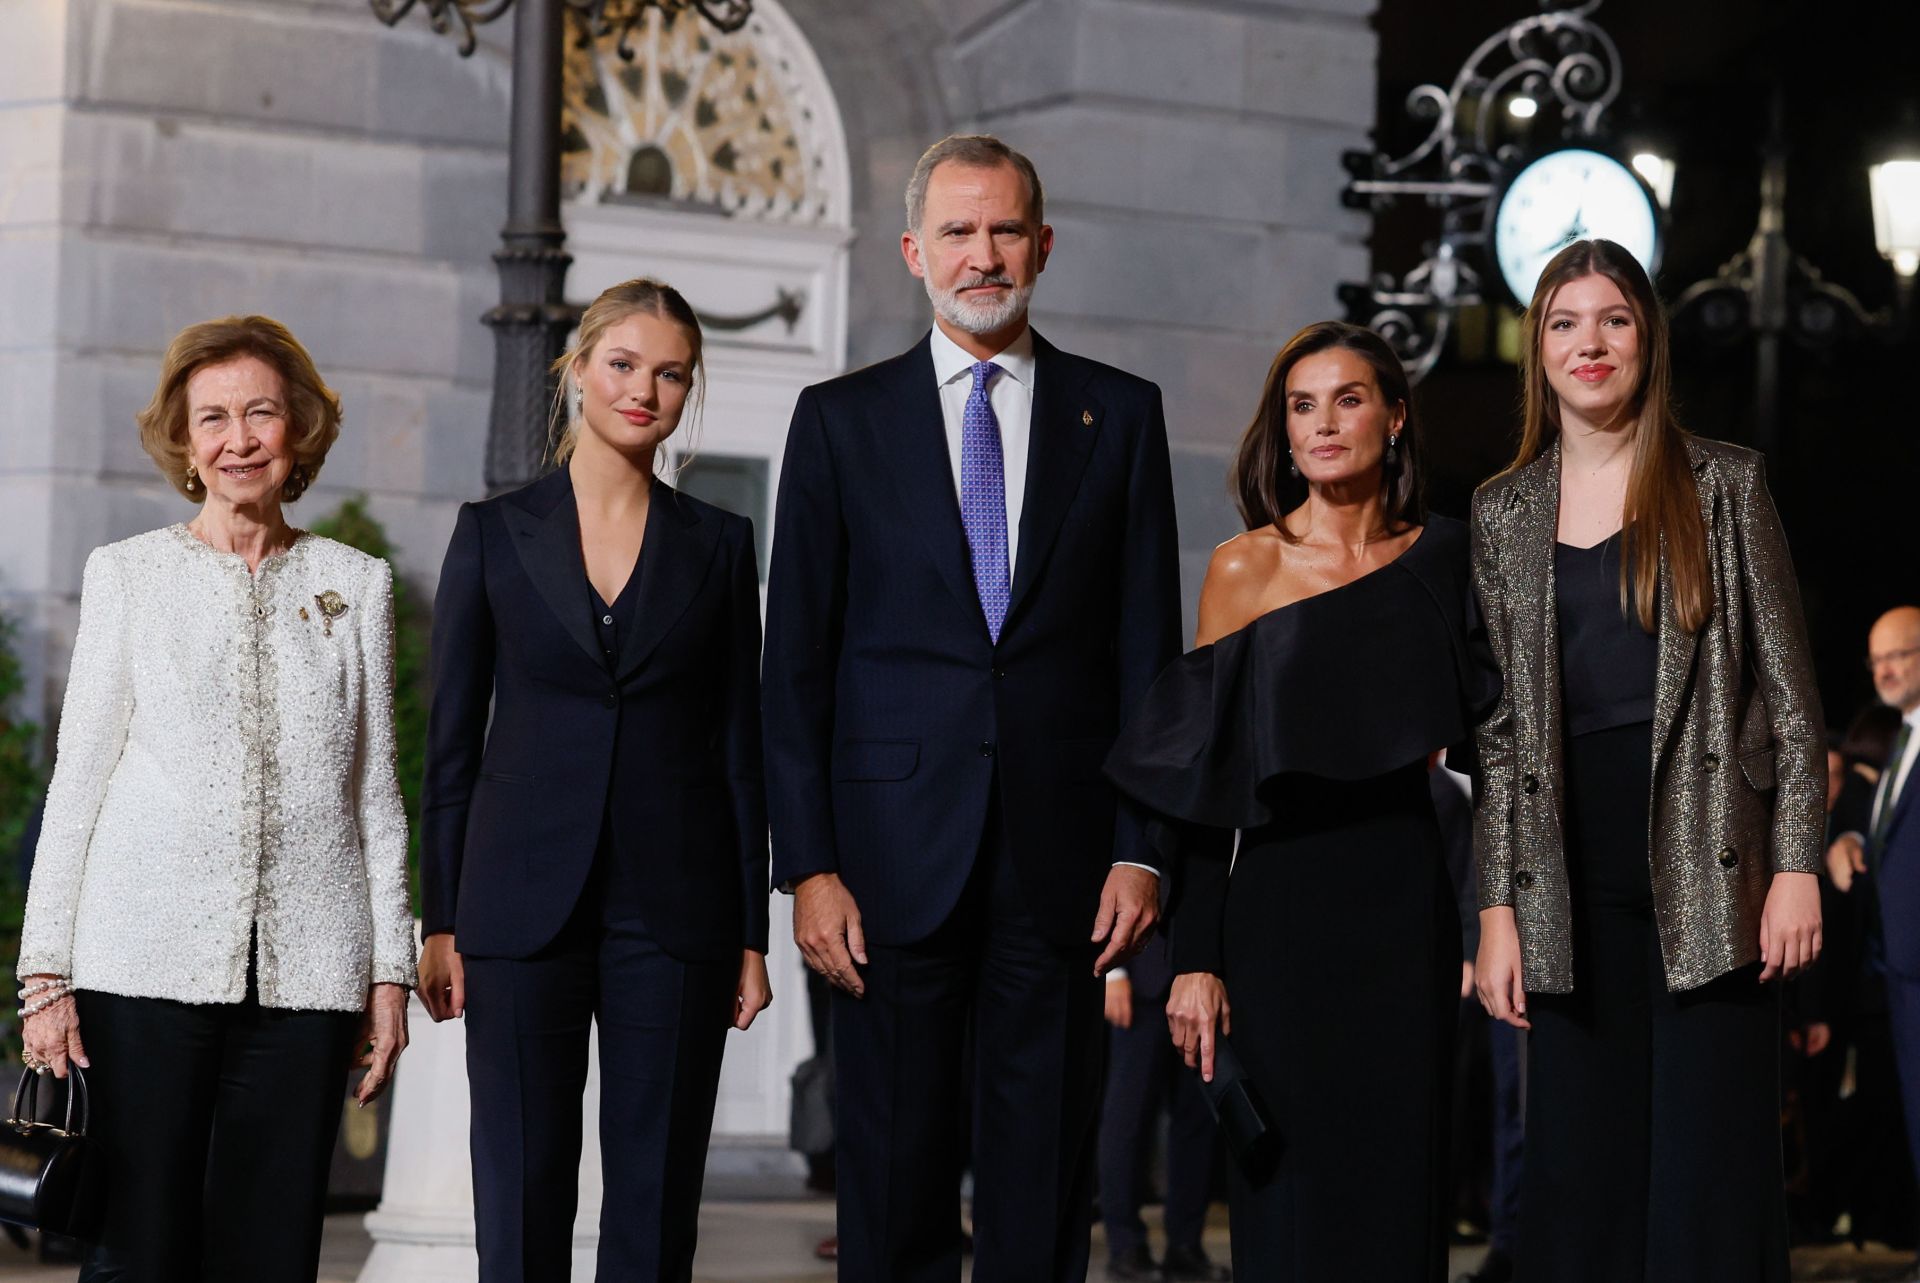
<point x="545" y="528"/>
<point x="1059" y="443"/>
<point x="675" y="557"/>
<point x="1532" y="530"/>
<point x="1676" y="646"/>
<point x="910" y="440"/>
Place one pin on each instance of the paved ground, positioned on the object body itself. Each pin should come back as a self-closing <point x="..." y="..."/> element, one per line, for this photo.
<point x="772" y="1242"/>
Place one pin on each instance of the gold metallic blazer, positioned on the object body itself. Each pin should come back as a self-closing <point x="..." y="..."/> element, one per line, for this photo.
<point x="1739" y="747"/>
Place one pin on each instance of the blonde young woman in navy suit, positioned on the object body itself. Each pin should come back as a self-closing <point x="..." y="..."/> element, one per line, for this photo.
<point x="596" y="853"/>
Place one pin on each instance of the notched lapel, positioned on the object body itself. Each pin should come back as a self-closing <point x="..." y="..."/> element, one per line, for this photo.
<point x="545" y="528"/>
<point x="1066" y="424"/>
<point x="675" y="559"/>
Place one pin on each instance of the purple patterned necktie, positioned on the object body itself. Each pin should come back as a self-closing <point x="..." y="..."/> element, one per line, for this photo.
<point x="983" y="499"/>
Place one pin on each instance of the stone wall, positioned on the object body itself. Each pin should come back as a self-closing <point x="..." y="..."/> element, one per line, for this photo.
<point x="164" y="161"/>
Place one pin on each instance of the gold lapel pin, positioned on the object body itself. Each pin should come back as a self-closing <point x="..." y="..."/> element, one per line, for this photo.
<point x="1086" y="417"/>
<point x="332" y="605"/>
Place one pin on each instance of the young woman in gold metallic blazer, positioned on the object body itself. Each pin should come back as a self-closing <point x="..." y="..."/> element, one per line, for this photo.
<point x="1649" y="823"/>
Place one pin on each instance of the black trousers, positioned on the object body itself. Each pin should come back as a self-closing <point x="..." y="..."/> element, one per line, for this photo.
<point x="216" y="1123"/>
<point x="1652" y="1130"/>
<point x="663" y="1025"/>
<point x="1143" y="1073"/>
<point x="898" y="1096"/>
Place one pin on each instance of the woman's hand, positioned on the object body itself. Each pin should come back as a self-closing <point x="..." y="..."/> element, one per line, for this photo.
<point x="443" y="978"/>
<point x="1496" y="973"/>
<point x="51" y="1035"/>
<point x="1790" y="926"/>
<point x="754" y="993"/>
<point x="383" y="1036"/>
<point x="1119" y="1001"/>
<point x="1198" y="1002"/>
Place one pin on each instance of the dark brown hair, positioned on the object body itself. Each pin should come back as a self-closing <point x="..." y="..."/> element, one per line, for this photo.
<point x="1264" y="486"/>
<point x="313" y="410"/>
<point x="1663" y="507"/>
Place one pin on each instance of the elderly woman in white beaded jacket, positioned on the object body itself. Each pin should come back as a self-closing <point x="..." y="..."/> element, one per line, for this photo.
<point x="219" y="896"/>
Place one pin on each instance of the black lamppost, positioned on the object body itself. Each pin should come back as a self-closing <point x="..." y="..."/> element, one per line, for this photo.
<point x="531" y="321"/>
<point x="1770" y="293"/>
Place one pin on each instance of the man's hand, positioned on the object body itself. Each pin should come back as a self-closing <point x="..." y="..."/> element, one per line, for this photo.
<point x="1790" y="926"/>
<point x="1845" y="858"/>
<point x="1129" y="906"/>
<point x="1120" y="1002"/>
<point x="443" y="978"/>
<point x="826" y="926"/>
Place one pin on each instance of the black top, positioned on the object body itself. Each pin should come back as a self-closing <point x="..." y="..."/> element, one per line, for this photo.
<point x="1346" y="685"/>
<point x="1607" y="661"/>
<point x="611" y="622"/>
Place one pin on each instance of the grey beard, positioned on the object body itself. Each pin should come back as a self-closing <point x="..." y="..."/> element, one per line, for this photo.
<point x="978" y="318"/>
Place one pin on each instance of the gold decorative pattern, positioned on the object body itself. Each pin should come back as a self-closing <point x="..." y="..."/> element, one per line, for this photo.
<point x="695" y="117"/>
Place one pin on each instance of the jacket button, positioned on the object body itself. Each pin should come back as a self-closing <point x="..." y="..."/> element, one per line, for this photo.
<point x="1711" y="761"/>
<point x="610" y="700"/>
<point x="986" y="749"/>
<point x="1728" y="857"/>
<point x="1529" y="784"/>
<point x="1523" y="879"/>
<point x="998" y="673"/>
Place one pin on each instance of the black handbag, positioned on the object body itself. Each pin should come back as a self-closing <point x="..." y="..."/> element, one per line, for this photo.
<point x="1236" y="1107"/>
<point x="50" y="1172"/>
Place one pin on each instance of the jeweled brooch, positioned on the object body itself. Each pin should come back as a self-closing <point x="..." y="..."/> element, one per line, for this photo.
<point x="332" y="605"/>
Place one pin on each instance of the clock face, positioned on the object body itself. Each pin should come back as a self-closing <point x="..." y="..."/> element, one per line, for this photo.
<point x="1567" y="196"/>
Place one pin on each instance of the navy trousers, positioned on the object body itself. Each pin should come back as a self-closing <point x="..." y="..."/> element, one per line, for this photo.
<point x="662" y="1026"/>
<point x="1035" y="1015"/>
<point x="1143" y="1073"/>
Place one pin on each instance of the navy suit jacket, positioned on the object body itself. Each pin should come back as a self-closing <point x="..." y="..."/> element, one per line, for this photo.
<point x="1896" y="872"/>
<point x="890" y="712"/>
<point x="665" y="748"/>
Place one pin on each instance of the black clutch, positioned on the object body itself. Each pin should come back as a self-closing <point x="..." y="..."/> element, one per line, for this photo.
<point x="1236" y="1107"/>
<point x="49" y="1172"/>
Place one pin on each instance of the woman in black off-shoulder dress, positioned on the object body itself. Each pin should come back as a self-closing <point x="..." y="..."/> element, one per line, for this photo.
<point x="1338" y="651"/>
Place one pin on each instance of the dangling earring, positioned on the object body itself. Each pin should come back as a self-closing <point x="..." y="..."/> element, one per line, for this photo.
<point x="579" y="402"/>
<point x="1393" y="449"/>
<point x="193" y="479"/>
<point x="1293" y="464"/>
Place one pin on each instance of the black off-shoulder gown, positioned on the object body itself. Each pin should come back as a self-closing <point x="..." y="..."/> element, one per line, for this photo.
<point x="1336" y="933"/>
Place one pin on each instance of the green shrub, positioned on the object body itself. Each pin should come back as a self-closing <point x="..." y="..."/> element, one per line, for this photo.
<point x="354" y="526"/>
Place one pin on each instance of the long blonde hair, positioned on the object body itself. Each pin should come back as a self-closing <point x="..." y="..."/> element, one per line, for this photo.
<point x="641" y="296"/>
<point x="1663" y="507"/>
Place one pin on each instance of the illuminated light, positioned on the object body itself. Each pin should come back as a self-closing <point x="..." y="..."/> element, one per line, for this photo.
<point x="1896" y="213"/>
<point x="1522" y="107"/>
<point x="1658" y="171"/>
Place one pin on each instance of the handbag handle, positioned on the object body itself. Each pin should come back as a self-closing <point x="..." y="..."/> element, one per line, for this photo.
<point x="26" y="1100"/>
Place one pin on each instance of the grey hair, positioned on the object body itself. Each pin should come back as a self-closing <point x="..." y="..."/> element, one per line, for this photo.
<point x="976" y="151"/>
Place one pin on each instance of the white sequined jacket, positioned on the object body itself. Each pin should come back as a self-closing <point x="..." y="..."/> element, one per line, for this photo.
<point x="226" y="766"/>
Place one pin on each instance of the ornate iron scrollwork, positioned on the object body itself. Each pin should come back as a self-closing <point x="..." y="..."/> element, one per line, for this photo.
<point x="1560" y="58"/>
<point x="598" y="18"/>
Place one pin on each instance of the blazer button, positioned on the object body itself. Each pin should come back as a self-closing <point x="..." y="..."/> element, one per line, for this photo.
<point x="1529" y="784"/>
<point x="1711" y="761"/>
<point x="610" y="700"/>
<point x="986" y="749"/>
<point x="1523" y="879"/>
<point x="998" y="673"/>
<point x="1728" y="857"/>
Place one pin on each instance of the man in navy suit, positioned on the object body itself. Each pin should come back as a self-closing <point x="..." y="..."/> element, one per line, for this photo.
<point x="1889" y="852"/>
<point x="974" y="579"/>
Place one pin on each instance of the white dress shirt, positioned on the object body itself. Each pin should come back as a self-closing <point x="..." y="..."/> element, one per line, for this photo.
<point x="1011" y="395"/>
<point x="1887" y="797"/>
<point x="225" y="775"/>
